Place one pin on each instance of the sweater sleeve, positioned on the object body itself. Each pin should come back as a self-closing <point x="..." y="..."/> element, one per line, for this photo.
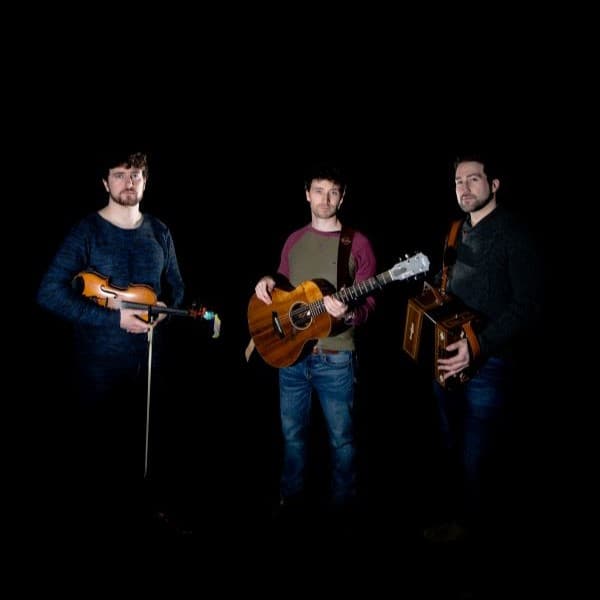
<point x="174" y="289"/>
<point x="524" y="270"/>
<point x="366" y="267"/>
<point x="56" y="292"/>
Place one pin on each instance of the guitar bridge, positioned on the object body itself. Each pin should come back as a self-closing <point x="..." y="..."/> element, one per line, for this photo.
<point x="277" y="325"/>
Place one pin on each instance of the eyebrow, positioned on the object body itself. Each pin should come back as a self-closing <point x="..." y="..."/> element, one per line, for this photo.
<point x="474" y="174"/>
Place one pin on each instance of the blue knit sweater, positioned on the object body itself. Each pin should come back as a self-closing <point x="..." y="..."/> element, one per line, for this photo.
<point x="145" y="255"/>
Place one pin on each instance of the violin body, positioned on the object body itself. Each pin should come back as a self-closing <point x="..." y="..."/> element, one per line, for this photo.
<point x="97" y="288"/>
<point x="139" y="296"/>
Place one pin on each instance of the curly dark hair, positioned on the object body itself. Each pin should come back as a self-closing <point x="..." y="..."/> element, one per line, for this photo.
<point x="137" y="160"/>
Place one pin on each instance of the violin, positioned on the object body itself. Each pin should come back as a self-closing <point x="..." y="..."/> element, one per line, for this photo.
<point x="138" y="296"/>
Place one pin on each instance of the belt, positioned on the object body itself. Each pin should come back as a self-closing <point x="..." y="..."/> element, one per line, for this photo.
<point x="317" y="350"/>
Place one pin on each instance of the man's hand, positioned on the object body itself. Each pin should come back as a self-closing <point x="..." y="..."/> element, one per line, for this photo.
<point x="457" y="363"/>
<point x="335" y="307"/>
<point x="264" y="288"/>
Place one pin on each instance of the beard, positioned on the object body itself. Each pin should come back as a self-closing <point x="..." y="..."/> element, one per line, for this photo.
<point x="128" y="198"/>
<point x="477" y="203"/>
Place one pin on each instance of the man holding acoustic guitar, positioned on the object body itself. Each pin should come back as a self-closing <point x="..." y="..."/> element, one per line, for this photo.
<point x="331" y="256"/>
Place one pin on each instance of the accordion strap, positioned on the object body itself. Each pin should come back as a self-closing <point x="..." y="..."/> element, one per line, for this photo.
<point x="451" y="242"/>
<point x="450" y="245"/>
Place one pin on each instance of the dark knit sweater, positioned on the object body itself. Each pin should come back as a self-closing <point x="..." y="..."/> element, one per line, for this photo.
<point x="498" y="273"/>
<point x="144" y="255"/>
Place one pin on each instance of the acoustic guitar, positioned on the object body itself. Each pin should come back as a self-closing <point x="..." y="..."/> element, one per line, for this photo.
<point x="297" y="316"/>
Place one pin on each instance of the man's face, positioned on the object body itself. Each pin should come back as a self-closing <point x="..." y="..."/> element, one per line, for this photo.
<point x="473" y="191"/>
<point x="125" y="186"/>
<point x="325" y="198"/>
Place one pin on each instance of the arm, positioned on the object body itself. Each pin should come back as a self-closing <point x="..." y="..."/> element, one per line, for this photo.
<point x="172" y="287"/>
<point x="56" y="293"/>
<point x="366" y="267"/>
<point x="523" y="309"/>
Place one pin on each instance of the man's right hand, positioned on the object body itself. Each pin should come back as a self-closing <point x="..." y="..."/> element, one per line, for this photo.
<point x="264" y="288"/>
<point x="132" y="320"/>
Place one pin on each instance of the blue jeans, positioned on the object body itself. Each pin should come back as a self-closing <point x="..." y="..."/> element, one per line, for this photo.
<point x="472" y="418"/>
<point x="332" y="377"/>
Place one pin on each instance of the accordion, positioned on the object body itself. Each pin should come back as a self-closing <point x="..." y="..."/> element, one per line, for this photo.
<point x="433" y="322"/>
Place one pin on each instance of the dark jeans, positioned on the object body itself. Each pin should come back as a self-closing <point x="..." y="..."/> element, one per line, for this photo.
<point x="332" y="377"/>
<point x="472" y="423"/>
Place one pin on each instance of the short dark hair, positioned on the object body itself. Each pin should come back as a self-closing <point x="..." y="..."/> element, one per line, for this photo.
<point x="137" y="160"/>
<point x="328" y="172"/>
<point x="491" y="167"/>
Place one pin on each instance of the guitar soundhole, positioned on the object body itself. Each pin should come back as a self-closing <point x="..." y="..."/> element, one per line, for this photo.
<point x="300" y="316"/>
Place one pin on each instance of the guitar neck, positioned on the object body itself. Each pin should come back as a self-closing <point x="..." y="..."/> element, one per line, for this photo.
<point x="155" y="309"/>
<point x="362" y="288"/>
<point x="354" y="292"/>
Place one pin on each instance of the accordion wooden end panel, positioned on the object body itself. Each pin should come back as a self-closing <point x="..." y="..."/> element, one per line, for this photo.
<point x="412" y="330"/>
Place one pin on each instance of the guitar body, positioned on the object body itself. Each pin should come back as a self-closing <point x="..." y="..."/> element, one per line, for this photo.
<point x="282" y="330"/>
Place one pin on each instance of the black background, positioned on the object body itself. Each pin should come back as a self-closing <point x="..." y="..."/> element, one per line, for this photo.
<point x="230" y="120"/>
<point x="226" y="175"/>
<point x="230" y="198"/>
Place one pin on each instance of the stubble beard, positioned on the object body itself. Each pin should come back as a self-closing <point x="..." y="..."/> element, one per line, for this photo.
<point x="326" y="212"/>
<point x="475" y="204"/>
<point x="127" y="198"/>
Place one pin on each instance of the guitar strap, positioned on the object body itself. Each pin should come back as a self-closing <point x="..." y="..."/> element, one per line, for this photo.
<point x="343" y="261"/>
<point x="449" y="260"/>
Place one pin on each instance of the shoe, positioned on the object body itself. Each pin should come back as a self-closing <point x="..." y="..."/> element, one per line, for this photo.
<point x="446" y="533"/>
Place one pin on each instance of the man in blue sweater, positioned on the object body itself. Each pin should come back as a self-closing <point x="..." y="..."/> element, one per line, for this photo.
<point x="126" y="248"/>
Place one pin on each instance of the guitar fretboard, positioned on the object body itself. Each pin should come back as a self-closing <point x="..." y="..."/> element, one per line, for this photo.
<point x="354" y="292"/>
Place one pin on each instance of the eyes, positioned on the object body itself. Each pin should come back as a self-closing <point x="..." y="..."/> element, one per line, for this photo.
<point x="135" y="176"/>
<point x="332" y="193"/>
<point x="468" y="179"/>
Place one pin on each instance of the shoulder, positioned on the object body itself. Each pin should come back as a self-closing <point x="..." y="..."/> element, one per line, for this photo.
<point x="512" y="225"/>
<point x="297" y="234"/>
<point x="360" y="242"/>
<point x="87" y="224"/>
<point x="360" y="237"/>
<point x="156" y="223"/>
<point x="159" y="228"/>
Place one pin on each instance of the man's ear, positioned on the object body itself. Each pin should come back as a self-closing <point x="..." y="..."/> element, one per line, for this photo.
<point x="495" y="185"/>
<point x="105" y="185"/>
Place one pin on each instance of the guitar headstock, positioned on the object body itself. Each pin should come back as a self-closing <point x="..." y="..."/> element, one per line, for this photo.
<point x="410" y="267"/>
